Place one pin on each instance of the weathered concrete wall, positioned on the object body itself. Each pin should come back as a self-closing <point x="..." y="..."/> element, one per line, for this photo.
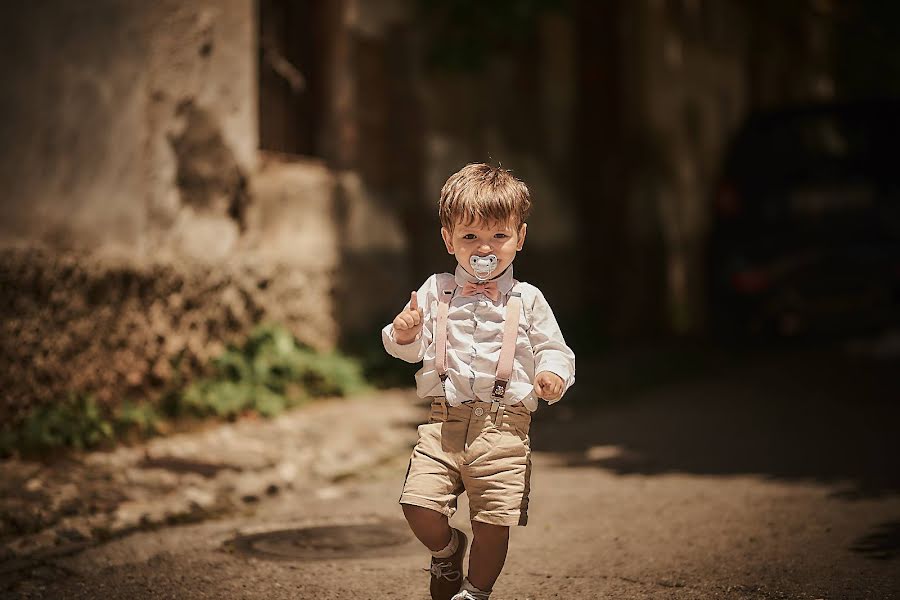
<point x="74" y="99"/>
<point x="93" y="95"/>
<point x="202" y="124"/>
<point x="138" y="223"/>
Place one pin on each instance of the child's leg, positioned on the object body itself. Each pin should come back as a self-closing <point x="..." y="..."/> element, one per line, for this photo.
<point x="487" y="555"/>
<point x="431" y="527"/>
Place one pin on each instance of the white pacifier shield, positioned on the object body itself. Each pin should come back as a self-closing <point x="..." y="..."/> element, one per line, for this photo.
<point x="483" y="266"/>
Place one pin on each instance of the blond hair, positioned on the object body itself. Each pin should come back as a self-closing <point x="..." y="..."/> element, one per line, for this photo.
<point x="480" y="193"/>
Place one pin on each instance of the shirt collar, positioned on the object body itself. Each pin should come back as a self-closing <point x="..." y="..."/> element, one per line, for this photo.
<point x="504" y="280"/>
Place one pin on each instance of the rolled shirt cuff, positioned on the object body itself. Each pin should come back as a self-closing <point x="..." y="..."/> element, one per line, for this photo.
<point x="411" y="352"/>
<point x="562" y="371"/>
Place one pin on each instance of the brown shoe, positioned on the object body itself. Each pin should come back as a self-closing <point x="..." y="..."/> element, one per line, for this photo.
<point x="446" y="573"/>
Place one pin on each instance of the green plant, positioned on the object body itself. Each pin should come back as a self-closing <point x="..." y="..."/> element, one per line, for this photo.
<point x="270" y="372"/>
<point x="140" y="417"/>
<point x="77" y="422"/>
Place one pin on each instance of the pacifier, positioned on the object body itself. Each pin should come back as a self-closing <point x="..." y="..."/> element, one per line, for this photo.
<point x="483" y="266"/>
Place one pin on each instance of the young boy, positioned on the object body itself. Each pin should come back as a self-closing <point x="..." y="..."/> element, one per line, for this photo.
<point x="490" y="347"/>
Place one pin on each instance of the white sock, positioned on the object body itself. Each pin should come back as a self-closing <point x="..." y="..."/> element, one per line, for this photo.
<point x="451" y="547"/>
<point x="479" y="594"/>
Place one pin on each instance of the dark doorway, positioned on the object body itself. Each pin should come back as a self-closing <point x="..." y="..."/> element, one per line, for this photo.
<point x="291" y="93"/>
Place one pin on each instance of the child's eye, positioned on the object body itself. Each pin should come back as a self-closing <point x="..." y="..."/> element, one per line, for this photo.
<point x="501" y="235"/>
<point x="469" y="236"/>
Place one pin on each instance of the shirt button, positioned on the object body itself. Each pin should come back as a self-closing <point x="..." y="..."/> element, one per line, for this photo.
<point x="479" y="411"/>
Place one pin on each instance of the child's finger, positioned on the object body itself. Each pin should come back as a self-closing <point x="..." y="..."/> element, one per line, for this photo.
<point x="547" y="391"/>
<point x="549" y="388"/>
<point x="414" y="301"/>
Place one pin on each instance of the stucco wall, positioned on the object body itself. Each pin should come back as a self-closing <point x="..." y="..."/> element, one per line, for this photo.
<point x="73" y="97"/>
<point x="138" y="221"/>
<point x="90" y="96"/>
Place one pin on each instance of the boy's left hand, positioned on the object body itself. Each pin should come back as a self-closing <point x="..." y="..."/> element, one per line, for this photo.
<point x="549" y="386"/>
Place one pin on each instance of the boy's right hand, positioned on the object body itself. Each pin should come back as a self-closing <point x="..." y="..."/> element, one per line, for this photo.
<point x="408" y="323"/>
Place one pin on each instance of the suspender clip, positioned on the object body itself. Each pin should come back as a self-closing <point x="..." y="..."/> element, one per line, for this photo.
<point x="499" y="389"/>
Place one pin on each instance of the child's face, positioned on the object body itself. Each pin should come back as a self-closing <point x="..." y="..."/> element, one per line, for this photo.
<point x="502" y="240"/>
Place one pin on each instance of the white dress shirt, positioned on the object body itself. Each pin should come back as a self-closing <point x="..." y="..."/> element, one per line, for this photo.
<point x="474" y="338"/>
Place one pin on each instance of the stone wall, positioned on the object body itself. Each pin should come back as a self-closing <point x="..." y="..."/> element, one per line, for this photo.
<point x="140" y="222"/>
<point x="139" y="226"/>
<point x="116" y="327"/>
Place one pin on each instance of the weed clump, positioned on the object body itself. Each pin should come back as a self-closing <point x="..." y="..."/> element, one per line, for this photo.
<point x="268" y="373"/>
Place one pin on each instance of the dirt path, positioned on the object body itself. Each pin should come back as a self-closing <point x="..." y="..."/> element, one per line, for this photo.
<point x="773" y="478"/>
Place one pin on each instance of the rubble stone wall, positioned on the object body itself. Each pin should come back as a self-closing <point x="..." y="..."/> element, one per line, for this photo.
<point x="73" y="323"/>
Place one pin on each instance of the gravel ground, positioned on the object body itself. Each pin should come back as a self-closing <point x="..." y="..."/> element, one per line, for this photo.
<point x="56" y="507"/>
<point x="775" y="476"/>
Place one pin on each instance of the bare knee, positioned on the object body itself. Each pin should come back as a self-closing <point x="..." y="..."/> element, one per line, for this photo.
<point x="425" y="516"/>
<point x="490" y="533"/>
<point x="429" y="526"/>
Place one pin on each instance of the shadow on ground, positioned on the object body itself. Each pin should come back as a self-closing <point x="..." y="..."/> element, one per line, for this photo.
<point x="883" y="543"/>
<point x="798" y="413"/>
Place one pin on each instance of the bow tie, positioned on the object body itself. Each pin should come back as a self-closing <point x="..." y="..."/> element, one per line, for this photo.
<point x="488" y="288"/>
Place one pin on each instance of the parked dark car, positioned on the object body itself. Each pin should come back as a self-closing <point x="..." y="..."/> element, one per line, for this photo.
<point x="805" y="235"/>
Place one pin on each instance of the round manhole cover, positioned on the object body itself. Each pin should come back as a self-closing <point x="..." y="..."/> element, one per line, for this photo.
<point x="323" y="542"/>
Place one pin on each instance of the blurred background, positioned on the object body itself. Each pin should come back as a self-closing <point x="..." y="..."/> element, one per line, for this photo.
<point x="176" y="173"/>
<point x="209" y="209"/>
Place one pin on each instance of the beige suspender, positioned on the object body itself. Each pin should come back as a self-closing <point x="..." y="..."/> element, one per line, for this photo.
<point x="507" y="349"/>
<point x="440" y="332"/>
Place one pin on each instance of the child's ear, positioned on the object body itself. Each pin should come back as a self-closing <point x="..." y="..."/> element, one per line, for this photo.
<point x="448" y="239"/>
<point x="521" y="243"/>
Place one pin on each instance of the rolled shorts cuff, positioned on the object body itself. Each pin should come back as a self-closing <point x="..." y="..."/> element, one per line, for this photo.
<point x="504" y="519"/>
<point x="419" y="501"/>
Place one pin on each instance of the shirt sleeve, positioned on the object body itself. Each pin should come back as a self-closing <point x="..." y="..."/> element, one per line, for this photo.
<point x="415" y="350"/>
<point x="550" y="350"/>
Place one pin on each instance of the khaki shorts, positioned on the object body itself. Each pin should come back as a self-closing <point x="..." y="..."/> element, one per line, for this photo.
<point x="469" y="448"/>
